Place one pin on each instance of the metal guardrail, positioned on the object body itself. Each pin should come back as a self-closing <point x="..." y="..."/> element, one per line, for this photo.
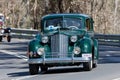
<point x="111" y="40"/>
<point x="24" y="33"/>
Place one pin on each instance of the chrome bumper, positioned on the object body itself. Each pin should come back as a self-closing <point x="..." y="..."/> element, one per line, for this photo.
<point x="59" y="60"/>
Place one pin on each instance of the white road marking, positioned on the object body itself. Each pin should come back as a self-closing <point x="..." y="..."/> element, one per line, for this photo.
<point x="15" y="54"/>
<point x="25" y="77"/>
<point x="19" y="56"/>
<point x="117" y="79"/>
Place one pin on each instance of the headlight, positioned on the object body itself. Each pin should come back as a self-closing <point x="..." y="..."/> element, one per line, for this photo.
<point x="77" y="50"/>
<point x="40" y="51"/>
<point x="73" y="38"/>
<point x="44" y="39"/>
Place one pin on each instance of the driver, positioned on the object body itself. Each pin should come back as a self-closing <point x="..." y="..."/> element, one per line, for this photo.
<point x="74" y="24"/>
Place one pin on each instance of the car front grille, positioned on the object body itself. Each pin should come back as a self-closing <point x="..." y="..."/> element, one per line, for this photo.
<point x="59" y="46"/>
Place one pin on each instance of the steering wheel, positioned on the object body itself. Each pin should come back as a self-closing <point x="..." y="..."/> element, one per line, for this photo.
<point x="73" y="27"/>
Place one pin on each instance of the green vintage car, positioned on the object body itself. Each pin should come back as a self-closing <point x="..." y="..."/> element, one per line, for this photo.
<point x="65" y="40"/>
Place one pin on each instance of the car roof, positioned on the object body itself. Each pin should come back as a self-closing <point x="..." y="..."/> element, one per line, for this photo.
<point x="66" y="14"/>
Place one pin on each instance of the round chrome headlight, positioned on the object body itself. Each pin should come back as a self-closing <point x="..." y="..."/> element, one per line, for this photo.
<point x="77" y="50"/>
<point x="44" y="39"/>
<point x="73" y="38"/>
<point x="40" y="51"/>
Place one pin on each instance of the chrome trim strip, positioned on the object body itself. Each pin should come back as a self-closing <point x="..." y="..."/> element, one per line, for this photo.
<point x="58" y="60"/>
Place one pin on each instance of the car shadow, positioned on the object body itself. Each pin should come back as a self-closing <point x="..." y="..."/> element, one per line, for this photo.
<point x="16" y="74"/>
<point x="50" y="71"/>
<point x="63" y="70"/>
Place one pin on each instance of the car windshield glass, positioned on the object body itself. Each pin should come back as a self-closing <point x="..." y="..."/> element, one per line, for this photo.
<point x="56" y="23"/>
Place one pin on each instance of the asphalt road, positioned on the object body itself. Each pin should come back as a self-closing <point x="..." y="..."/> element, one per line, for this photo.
<point x="13" y="65"/>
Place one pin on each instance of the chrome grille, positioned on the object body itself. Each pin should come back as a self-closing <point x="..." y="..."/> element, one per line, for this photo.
<point x="59" y="45"/>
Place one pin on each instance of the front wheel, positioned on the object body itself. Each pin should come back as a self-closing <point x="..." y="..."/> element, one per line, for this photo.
<point x="95" y="64"/>
<point x="44" y="68"/>
<point x="88" y="66"/>
<point x="33" y="69"/>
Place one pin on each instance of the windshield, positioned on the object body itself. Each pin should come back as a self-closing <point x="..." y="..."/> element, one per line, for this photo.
<point x="74" y="23"/>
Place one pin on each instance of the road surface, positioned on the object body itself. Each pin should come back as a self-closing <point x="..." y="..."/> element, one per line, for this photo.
<point x="13" y="65"/>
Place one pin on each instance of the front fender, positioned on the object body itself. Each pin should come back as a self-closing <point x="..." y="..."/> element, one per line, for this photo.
<point x="86" y="45"/>
<point x="33" y="45"/>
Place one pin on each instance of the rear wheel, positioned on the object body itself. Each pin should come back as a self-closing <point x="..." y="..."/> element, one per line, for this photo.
<point x="88" y="66"/>
<point x="33" y="69"/>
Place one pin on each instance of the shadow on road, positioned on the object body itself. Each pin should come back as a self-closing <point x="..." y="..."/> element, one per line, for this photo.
<point x="64" y="70"/>
<point x="50" y="71"/>
<point x="16" y="74"/>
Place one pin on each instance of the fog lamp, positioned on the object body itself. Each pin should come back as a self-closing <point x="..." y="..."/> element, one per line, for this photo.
<point x="77" y="50"/>
<point x="40" y="51"/>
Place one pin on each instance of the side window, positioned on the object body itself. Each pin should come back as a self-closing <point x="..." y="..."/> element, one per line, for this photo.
<point x="88" y="24"/>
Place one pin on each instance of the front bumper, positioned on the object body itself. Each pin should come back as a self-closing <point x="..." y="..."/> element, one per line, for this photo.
<point x="59" y="60"/>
